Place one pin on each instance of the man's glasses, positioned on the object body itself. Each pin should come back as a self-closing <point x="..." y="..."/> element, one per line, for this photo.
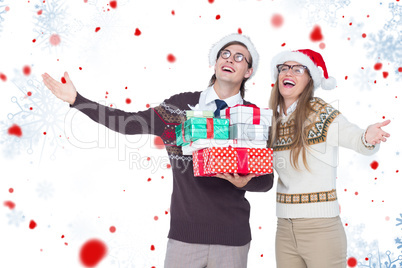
<point x="238" y="57"/>
<point x="296" y="69"/>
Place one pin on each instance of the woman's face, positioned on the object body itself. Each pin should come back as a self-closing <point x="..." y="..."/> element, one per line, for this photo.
<point x="291" y="85"/>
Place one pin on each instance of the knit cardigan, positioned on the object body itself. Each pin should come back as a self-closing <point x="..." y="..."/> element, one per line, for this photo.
<point x="312" y="194"/>
<point x="204" y="210"/>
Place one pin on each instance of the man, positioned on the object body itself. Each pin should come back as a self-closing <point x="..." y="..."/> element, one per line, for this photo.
<point x="209" y="216"/>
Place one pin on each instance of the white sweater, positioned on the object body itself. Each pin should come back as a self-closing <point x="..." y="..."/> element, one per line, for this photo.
<point x="312" y="194"/>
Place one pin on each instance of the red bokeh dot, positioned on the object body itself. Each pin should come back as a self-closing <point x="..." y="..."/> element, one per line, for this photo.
<point x="44" y="133"/>
<point x="364" y="35"/>
<point x="147" y="105"/>
<point x="54" y="39"/>
<point x="3" y="77"/>
<point x="374" y="165"/>
<point x="378" y="66"/>
<point x="158" y="142"/>
<point x="63" y="80"/>
<point x="152" y="247"/>
<point x="112" y="229"/>
<point x="346" y="77"/>
<point x="277" y="20"/>
<point x="156" y="218"/>
<point x="29" y="93"/>
<point x="32" y="224"/>
<point x="11" y="190"/>
<point x="356" y="193"/>
<point x="284" y="44"/>
<point x="316" y="34"/>
<point x="171" y="58"/>
<point x="168" y="166"/>
<point x="352" y="262"/>
<point x="239" y="31"/>
<point x="92" y="252"/>
<point x="400" y="69"/>
<point x="137" y="32"/>
<point x="97" y="29"/>
<point x="210" y="1"/>
<point x="128" y="100"/>
<point x="218" y="17"/>
<point x="385" y="74"/>
<point x="173" y="13"/>
<point x="26" y="70"/>
<point x="113" y="4"/>
<point x="322" y="45"/>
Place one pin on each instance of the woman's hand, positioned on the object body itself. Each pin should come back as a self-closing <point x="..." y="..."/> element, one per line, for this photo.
<point x="236" y="179"/>
<point x="64" y="91"/>
<point x="375" y="135"/>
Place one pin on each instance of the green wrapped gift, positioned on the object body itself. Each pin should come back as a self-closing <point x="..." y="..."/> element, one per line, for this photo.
<point x="202" y="128"/>
<point x="198" y="113"/>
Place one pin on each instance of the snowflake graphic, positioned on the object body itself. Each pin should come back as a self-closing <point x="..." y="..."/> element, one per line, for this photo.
<point x="50" y="24"/>
<point x="378" y="259"/>
<point x="2" y="12"/>
<point x="395" y="23"/>
<point x="45" y="190"/>
<point x="15" y="217"/>
<point x="352" y="33"/>
<point x="384" y="47"/>
<point x="364" y="79"/>
<point x="40" y="116"/>
<point x="323" y="10"/>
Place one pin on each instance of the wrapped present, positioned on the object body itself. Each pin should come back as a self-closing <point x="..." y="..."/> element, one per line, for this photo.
<point x="201" y="128"/>
<point x="211" y="161"/>
<point x="199" y="113"/>
<point x="247" y="114"/>
<point x="189" y="148"/>
<point x="249" y="132"/>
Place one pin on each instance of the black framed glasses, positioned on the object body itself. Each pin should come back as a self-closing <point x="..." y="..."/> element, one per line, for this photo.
<point x="296" y="69"/>
<point x="238" y="57"/>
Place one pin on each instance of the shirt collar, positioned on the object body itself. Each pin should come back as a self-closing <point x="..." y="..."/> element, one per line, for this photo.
<point x="231" y="101"/>
<point x="290" y="110"/>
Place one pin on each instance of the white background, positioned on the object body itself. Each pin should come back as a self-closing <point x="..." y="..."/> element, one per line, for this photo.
<point x="78" y="179"/>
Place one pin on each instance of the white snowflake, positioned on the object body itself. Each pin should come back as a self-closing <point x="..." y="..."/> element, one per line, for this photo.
<point x="45" y="190"/>
<point x="2" y="12"/>
<point x="40" y="116"/>
<point x="15" y="217"/>
<point x="352" y="32"/>
<point x="323" y="10"/>
<point x="50" y="25"/>
<point x="364" y="79"/>
<point x="384" y="47"/>
<point x="395" y="23"/>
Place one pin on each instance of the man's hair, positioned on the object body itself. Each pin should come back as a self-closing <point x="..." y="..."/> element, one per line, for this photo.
<point x="250" y="64"/>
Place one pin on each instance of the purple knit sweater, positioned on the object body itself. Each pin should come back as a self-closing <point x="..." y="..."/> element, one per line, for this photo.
<point x="204" y="210"/>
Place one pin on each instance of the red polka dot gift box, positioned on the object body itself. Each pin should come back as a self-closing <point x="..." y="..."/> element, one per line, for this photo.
<point x="211" y="161"/>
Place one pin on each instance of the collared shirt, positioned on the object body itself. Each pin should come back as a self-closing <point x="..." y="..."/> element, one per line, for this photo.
<point x="290" y="110"/>
<point x="208" y="97"/>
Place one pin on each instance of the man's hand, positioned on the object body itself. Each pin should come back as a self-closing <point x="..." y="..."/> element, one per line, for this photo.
<point x="236" y="179"/>
<point x="64" y="91"/>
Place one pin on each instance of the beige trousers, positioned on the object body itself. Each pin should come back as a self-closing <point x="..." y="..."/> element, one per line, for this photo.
<point x="310" y="243"/>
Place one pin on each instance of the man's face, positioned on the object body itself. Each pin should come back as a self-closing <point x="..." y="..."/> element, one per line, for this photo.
<point x="231" y="71"/>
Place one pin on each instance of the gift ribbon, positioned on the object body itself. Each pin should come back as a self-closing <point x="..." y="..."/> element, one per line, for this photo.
<point x="210" y="128"/>
<point x="242" y="160"/>
<point x="256" y="113"/>
<point x="200" y="162"/>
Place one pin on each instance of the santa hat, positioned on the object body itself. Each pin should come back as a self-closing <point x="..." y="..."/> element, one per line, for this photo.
<point x="312" y="60"/>
<point x="213" y="53"/>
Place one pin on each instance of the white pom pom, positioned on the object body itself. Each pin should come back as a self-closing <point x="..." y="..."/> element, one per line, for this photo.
<point x="328" y="84"/>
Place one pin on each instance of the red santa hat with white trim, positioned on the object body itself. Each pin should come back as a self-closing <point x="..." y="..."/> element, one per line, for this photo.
<point x="312" y="60"/>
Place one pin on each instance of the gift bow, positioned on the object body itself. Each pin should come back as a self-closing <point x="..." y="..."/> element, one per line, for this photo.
<point x="256" y="113"/>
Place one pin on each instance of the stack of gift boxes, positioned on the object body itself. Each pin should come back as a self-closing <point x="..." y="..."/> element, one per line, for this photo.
<point x="234" y="143"/>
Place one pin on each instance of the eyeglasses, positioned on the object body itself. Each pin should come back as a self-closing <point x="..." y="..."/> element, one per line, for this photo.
<point x="238" y="57"/>
<point x="296" y="69"/>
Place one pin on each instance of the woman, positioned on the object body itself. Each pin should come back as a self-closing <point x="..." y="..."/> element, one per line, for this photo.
<point x="305" y="136"/>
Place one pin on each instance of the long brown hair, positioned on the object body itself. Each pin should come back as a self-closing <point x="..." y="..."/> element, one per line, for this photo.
<point x="250" y="64"/>
<point x="301" y="121"/>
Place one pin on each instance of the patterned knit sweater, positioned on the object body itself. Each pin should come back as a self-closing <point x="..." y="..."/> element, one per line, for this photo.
<point x="203" y="210"/>
<point x="312" y="194"/>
